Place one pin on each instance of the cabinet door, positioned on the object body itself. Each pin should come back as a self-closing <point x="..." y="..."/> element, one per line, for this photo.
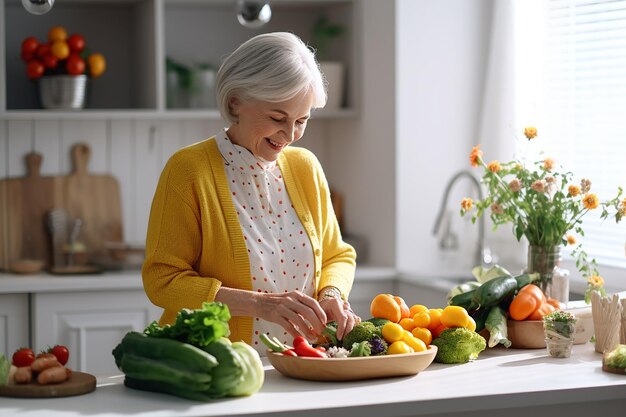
<point x="90" y="324"/>
<point x="14" y="322"/>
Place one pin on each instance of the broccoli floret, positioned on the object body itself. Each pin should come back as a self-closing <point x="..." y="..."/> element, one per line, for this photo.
<point x="458" y="345"/>
<point x="330" y="334"/>
<point x="378" y="345"/>
<point x="360" y="349"/>
<point x="364" y="331"/>
<point x="377" y="321"/>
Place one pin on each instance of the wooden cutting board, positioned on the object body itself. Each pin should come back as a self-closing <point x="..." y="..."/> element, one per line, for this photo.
<point x="78" y="384"/>
<point x="25" y="203"/>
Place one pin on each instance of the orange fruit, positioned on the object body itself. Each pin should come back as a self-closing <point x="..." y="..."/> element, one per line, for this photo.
<point x="60" y="49"/>
<point x="57" y="33"/>
<point x="384" y="306"/>
<point x="435" y="318"/>
<point x="407" y="324"/>
<point x="404" y="309"/>
<point x="423" y="334"/>
<point x="97" y="65"/>
<point x="392" y="332"/>
<point x="417" y="308"/>
<point x="454" y="316"/>
<point x="399" y="347"/>
<point x="414" y="343"/>
<point x="422" y="319"/>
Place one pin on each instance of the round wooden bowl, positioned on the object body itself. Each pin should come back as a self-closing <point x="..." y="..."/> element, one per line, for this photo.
<point x="352" y="369"/>
<point x="526" y="334"/>
<point x="27" y="266"/>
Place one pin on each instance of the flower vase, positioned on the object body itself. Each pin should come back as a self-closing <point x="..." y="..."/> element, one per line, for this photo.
<point x="553" y="281"/>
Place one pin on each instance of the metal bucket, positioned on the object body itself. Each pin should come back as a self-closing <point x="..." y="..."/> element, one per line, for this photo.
<point x="63" y="92"/>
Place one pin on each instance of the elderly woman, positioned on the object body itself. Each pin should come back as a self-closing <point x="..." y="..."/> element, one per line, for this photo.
<point x="245" y="219"/>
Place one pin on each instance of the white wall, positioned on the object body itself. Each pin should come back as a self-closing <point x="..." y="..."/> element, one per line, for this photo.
<point x="441" y="55"/>
<point x="362" y="151"/>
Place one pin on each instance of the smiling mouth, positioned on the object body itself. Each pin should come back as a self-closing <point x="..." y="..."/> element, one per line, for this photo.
<point x="275" y="145"/>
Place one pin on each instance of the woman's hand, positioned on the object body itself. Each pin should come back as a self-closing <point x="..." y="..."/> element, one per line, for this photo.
<point x="297" y="313"/>
<point x="338" y="310"/>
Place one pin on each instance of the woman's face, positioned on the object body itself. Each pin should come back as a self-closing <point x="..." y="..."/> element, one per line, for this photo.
<point x="265" y="129"/>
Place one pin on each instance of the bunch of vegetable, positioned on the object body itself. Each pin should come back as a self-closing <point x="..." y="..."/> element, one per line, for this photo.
<point x="47" y="367"/>
<point x="61" y="54"/>
<point x="488" y="300"/>
<point x="191" y="358"/>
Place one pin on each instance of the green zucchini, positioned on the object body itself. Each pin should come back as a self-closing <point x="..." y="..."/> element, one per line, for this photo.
<point x="229" y="373"/>
<point x="494" y="291"/>
<point x="465" y="300"/>
<point x="139" y="367"/>
<point x="164" y="387"/>
<point x="480" y="317"/>
<point x="184" y="354"/>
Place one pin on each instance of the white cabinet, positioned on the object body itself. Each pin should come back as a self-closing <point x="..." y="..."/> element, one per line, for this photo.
<point x="90" y="324"/>
<point x="136" y="37"/>
<point x="14" y="323"/>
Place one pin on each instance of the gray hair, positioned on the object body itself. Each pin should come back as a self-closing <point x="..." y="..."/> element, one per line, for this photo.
<point x="271" y="67"/>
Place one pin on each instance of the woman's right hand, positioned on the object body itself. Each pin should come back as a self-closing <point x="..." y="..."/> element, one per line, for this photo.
<point x="297" y="313"/>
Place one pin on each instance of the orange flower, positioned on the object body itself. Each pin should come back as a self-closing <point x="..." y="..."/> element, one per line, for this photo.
<point x="530" y="132"/>
<point x="494" y="166"/>
<point x="467" y="204"/>
<point x="595" y="281"/>
<point x="548" y="164"/>
<point x="476" y="156"/>
<point x="590" y="201"/>
<point x="571" y="240"/>
<point x="573" y="190"/>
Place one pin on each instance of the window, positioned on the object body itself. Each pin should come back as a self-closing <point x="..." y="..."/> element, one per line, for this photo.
<point x="571" y="63"/>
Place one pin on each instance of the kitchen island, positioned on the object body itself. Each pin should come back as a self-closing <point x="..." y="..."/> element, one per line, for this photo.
<point x="502" y="382"/>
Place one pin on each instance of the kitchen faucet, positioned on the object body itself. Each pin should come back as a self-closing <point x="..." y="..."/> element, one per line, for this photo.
<point x="483" y="255"/>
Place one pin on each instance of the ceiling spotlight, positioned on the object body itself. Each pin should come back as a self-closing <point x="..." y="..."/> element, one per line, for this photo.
<point x="37" y="6"/>
<point x="253" y="14"/>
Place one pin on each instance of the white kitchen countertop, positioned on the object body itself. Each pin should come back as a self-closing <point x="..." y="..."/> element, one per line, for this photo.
<point x="522" y="381"/>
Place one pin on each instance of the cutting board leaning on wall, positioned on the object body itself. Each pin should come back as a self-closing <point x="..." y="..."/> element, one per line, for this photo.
<point x="25" y="204"/>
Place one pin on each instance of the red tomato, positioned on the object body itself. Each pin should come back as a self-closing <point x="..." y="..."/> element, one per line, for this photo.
<point x="76" y="43"/>
<point x="50" y="61"/>
<point x="23" y="357"/>
<point x="75" y="65"/>
<point x="61" y="352"/>
<point x="34" y="69"/>
<point x="42" y="50"/>
<point x="29" y="46"/>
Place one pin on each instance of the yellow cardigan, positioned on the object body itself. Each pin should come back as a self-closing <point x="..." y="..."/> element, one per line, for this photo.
<point x="195" y="243"/>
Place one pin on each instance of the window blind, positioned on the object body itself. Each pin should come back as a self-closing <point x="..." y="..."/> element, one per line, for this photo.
<point x="582" y="102"/>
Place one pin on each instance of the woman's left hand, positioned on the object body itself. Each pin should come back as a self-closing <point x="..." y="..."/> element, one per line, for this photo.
<point x="338" y="310"/>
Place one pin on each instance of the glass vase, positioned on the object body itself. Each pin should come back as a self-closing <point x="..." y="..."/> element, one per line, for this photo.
<point x="554" y="280"/>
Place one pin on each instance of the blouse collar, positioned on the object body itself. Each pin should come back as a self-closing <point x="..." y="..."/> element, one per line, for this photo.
<point x="241" y="157"/>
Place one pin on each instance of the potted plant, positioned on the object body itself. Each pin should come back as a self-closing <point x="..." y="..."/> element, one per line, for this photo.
<point x="559" y="328"/>
<point x="324" y="32"/>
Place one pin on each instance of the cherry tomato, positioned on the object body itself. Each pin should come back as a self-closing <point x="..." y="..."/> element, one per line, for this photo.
<point x="50" y="61"/>
<point x="76" y="43"/>
<point x="57" y="33"/>
<point x="97" y="65"/>
<point x="75" y="65"/>
<point x="29" y="47"/>
<point x="34" y="69"/>
<point x="43" y="49"/>
<point x="61" y="353"/>
<point x="60" y="49"/>
<point x="23" y="357"/>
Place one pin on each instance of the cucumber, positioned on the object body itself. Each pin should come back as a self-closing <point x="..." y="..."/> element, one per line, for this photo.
<point x="465" y="300"/>
<point x="229" y="373"/>
<point x="184" y="354"/>
<point x="139" y="367"/>
<point x="494" y="291"/>
<point x="524" y="279"/>
<point x="157" y="386"/>
<point x="480" y="317"/>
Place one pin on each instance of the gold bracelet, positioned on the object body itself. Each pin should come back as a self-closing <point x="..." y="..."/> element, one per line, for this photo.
<point x="329" y="292"/>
